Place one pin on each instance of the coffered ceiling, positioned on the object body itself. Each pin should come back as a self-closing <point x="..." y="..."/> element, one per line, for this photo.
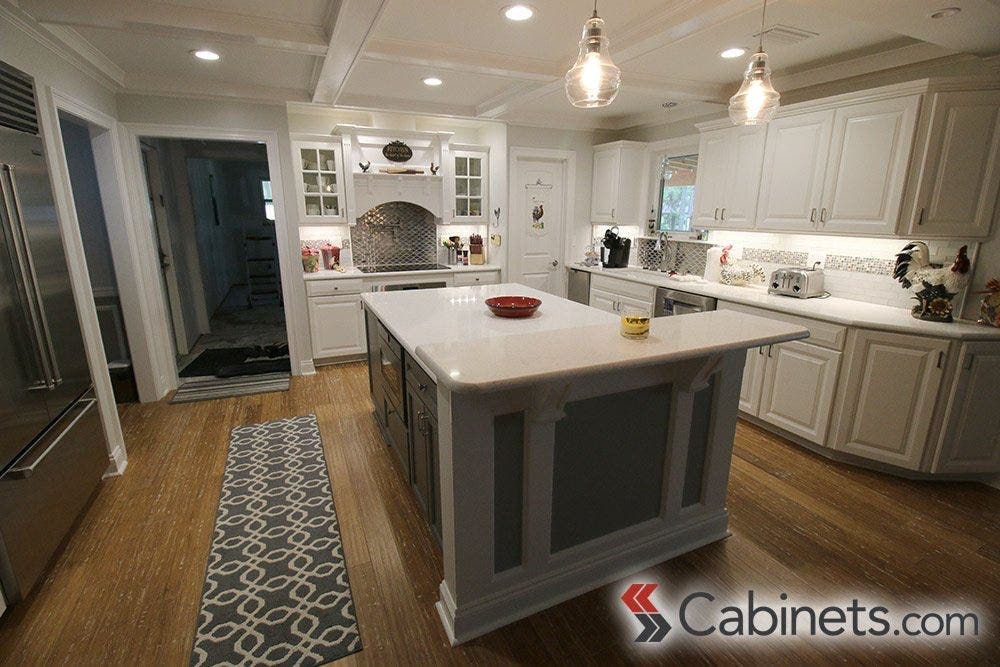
<point x="374" y="54"/>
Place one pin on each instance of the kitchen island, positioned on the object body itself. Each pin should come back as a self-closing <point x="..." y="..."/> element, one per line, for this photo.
<point x="551" y="455"/>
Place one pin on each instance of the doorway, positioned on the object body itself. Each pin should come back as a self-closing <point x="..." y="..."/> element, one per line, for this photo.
<point x="77" y="138"/>
<point x="541" y="184"/>
<point x="212" y="209"/>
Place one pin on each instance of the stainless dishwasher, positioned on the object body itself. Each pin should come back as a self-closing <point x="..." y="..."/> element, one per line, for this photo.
<point x="579" y="286"/>
<point x="673" y="302"/>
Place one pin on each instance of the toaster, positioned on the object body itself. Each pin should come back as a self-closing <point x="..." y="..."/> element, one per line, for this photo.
<point x="800" y="282"/>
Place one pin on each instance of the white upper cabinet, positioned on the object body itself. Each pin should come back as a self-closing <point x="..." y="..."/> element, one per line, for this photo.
<point x="470" y="187"/>
<point x="866" y="172"/>
<point x="956" y="184"/>
<point x="795" y="159"/>
<point x="616" y="189"/>
<point x="321" y="183"/>
<point x="728" y="177"/>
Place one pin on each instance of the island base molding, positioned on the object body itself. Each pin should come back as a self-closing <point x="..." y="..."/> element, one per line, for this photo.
<point x="465" y="622"/>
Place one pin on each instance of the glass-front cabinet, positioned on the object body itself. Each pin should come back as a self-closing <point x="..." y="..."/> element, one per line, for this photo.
<point x="320" y="184"/>
<point x="470" y="196"/>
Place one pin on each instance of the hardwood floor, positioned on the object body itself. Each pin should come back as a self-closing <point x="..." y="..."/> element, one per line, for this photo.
<point x="125" y="589"/>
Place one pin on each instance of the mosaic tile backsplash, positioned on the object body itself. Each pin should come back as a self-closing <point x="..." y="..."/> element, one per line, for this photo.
<point x="678" y="256"/>
<point x="395" y="233"/>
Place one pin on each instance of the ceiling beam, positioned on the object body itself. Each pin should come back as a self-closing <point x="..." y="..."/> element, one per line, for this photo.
<point x="196" y="24"/>
<point x="451" y="58"/>
<point x="350" y="25"/>
<point x="198" y="88"/>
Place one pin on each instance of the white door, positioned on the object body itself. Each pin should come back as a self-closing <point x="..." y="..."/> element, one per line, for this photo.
<point x="958" y="182"/>
<point x="337" y="325"/>
<point x="714" y="164"/>
<point x="158" y="210"/>
<point x="603" y="201"/>
<point x="753" y="378"/>
<point x="970" y="441"/>
<point x="794" y="165"/>
<point x="739" y="201"/>
<point x="888" y="396"/>
<point x="536" y="225"/>
<point x="800" y="383"/>
<point x="869" y="154"/>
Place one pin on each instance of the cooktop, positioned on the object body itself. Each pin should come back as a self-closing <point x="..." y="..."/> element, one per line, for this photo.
<point x="402" y="267"/>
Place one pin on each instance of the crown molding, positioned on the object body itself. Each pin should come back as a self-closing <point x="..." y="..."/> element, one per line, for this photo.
<point x="85" y="61"/>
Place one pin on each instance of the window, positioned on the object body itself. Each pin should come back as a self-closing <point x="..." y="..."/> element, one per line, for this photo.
<point x="265" y="186"/>
<point x="677" y="176"/>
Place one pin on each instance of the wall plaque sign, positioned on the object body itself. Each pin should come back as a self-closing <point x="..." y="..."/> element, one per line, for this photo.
<point x="397" y="151"/>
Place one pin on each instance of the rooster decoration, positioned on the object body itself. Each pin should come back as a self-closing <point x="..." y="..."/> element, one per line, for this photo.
<point x="934" y="286"/>
<point x="536" y="216"/>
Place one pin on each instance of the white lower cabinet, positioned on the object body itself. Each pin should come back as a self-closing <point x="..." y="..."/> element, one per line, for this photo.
<point x="970" y="441"/>
<point x="337" y="325"/>
<point x="613" y="294"/>
<point x="792" y="386"/>
<point x="466" y="278"/>
<point x="888" y="395"/>
<point x="602" y="300"/>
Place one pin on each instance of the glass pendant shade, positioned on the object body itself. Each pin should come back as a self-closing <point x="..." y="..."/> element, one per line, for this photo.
<point x="594" y="80"/>
<point x="756" y="101"/>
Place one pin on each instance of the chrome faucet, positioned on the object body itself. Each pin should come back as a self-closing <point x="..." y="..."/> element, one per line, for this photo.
<point x="661" y="245"/>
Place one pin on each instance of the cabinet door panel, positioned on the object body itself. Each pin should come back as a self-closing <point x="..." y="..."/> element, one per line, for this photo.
<point x="800" y="382"/>
<point x="970" y="443"/>
<point x="743" y="182"/>
<point x="714" y="160"/>
<point x="753" y="380"/>
<point x="869" y="154"/>
<point x="336" y="325"/>
<point x="888" y="396"/>
<point x="957" y="194"/>
<point x="795" y="158"/>
<point x="605" y="185"/>
<point x="603" y="300"/>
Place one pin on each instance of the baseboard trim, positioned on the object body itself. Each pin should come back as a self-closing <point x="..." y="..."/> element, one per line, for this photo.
<point x="307" y="367"/>
<point x="119" y="461"/>
<point x="469" y="621"/>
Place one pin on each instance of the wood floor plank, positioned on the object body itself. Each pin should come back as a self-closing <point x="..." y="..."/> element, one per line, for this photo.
<point x="126" y="587"/>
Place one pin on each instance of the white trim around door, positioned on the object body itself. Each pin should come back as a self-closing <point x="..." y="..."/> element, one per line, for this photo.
<point x="160" y="341"/>
<point x="110" y="181"/>
<point x="568" y="160"/>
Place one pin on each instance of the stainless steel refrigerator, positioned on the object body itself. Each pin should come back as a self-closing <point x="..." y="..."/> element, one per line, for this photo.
<point x="52" y="444"/>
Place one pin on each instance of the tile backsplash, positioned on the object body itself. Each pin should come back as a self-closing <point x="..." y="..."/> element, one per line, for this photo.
<point x="395" y="233"/>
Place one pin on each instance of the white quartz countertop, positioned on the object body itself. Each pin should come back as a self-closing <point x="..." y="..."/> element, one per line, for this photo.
<point x="833" y="309"/>
<point x="468" y="349"/>
<point x="355" y="272"/>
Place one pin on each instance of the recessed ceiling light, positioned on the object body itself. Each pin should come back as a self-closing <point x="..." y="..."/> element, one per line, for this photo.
<point x="946" y="12"/>
<point x="432" y="81"/>
<point x="734" y="52"/>
<point x="205" y="54"/>
<point x="518" y="12"/>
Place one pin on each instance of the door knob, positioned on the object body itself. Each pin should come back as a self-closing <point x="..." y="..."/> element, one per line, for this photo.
<point x="555" y="262"/>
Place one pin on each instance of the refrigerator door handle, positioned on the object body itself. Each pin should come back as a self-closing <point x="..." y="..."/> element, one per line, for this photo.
<point x="26" y="471"/>
<point x="33" y="306"/>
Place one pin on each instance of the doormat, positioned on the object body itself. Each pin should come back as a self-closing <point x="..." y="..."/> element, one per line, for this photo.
<point x="234" y="360"/>
<point x="276" y="589"/>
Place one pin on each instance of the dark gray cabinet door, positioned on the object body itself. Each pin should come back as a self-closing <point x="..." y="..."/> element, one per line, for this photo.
<point x="420" y="477"/>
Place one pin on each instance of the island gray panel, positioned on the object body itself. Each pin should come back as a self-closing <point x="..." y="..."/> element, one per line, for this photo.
<point x="508" y="489"/>
<point x="701" y="422"/>
<point x="608" y="464"/>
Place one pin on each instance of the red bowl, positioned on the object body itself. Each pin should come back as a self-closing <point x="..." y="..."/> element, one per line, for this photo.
<point x="513" y="306"/>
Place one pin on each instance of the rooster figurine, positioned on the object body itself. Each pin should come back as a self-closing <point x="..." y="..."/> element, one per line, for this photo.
<point x="934" y="286"/>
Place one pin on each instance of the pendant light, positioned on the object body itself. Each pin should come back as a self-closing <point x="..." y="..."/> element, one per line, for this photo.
<point x="756" y="101"/>
<point x="594" y="80"/>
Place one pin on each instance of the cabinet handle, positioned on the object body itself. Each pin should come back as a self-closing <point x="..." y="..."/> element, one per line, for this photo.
<point x="716" y="213"/>
<point x="940" y="362"/>
<point x="723" y="216"/>
<point x="920" y="217"/>
<point x="968" y="364"/>
<point x="812" y="216"/>
<point x="422" y="423"/>
<point x="760" y="351"/>
<point x="421" y="386"/>
<point x="822" y="215"/>
<point x="769" y="351"/>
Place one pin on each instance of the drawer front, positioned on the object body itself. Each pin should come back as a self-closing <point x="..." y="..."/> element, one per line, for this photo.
<point x="623" y="287"/>
<point x="421" y="383"/>
<point x="331" y="287"/>
<point x="45" y="490"/>
<point x="465" y="278"/>
<point x="824" y="334"/>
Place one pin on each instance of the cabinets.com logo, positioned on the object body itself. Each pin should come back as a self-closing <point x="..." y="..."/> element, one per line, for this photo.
<point x="700" y="614"/>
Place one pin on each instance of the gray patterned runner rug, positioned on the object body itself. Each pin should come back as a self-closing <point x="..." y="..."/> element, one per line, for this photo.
<point x="276" y="589"/>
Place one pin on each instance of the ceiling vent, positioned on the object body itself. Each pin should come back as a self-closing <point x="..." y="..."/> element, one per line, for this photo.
<point x="17" y="100"/>
<point x="786" y="35"/>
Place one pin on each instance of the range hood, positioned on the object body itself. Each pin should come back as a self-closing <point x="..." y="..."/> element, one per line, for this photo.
<point x="423" y="190"/>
